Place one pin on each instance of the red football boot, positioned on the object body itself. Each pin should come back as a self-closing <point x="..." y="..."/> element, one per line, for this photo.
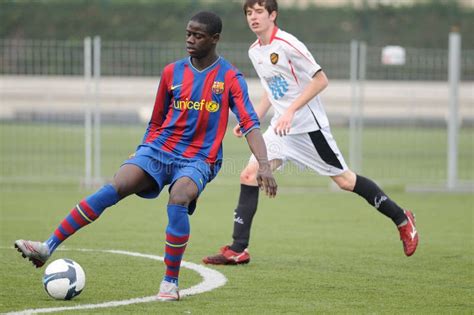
<point x="408" y="234"/>
<point x="228" y="257"/>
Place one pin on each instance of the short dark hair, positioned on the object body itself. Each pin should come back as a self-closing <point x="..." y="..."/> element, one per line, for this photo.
<point x="212" y="21"/>
<point x="270" y="5"/>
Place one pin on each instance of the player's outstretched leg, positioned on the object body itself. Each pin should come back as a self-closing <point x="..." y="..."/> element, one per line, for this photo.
<point x="370" y="191"/>
<point x="87" y="211"/>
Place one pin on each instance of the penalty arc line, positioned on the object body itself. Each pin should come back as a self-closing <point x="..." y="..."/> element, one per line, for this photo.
<point x="212" y="279"/>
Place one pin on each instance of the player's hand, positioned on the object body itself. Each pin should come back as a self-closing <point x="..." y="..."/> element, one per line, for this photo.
<point x="236" y="131"/>
<point x="266" y="181"/>
<point x="283" y="124"/>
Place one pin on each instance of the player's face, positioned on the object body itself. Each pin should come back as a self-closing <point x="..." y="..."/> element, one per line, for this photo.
<point x="259" y="20"/>
<point x="199" y="43"/>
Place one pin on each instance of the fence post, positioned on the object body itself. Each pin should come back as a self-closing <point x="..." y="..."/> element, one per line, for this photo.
<point x="453" y="118"/>
<point x="358" y="69"/>
<point x="97" y="122"/>
<point x="88" y="112"/>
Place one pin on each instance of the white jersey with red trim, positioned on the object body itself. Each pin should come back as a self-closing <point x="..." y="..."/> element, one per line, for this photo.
<point x="285" y="67"/>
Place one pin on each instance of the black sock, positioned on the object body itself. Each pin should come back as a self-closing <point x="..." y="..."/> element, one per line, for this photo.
<point x="243" y="217"/>
<point x="376" y="197"/>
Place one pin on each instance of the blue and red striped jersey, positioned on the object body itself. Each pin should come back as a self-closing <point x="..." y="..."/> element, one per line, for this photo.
<point x="192" y="109"/>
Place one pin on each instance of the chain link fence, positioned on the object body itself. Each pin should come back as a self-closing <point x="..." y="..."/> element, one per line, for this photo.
<point x="44" y="97"/>
<point x="124" y="58"/>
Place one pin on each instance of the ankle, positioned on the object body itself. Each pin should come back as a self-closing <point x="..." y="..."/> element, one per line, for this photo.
<point x="405" y="222"/>
<point x="237" y="248"/>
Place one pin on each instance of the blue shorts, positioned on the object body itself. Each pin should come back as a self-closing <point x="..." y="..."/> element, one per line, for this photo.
<point x="166" y="168"/>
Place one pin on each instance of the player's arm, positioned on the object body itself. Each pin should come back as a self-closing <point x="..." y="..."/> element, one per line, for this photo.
<point x="315" y="86"/>
<point x="318" y="83"/>
<point x="265" y="178"/>
<point x="261" y="111"/>
<point x="304" y="66"/>
<point x="160" y="107"/>
<point x="249" y="124"/>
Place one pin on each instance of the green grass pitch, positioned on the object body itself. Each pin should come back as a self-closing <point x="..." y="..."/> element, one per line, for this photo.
<point x="314" y="250"/>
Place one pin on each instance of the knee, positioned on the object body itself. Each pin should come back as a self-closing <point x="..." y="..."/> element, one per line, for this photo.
<point x="121" y="188"/>
<point x="346" y="181"/>
<point x="179" y="198"/>
<point x="248" y="177"/>
<point x="345" y="185"/>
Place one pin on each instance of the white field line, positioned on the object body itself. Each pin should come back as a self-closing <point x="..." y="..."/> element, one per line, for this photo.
<point x="212" y="279"/>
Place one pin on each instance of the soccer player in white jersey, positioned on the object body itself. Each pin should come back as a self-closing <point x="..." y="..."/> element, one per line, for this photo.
<point x="299" y="131"/>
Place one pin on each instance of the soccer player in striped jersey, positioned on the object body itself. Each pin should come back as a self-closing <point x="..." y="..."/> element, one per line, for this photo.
<point x="182" y="148"/>
<point x="299" y="131"/>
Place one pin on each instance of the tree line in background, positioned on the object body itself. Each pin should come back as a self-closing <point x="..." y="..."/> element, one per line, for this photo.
<point x="422" y="25"/>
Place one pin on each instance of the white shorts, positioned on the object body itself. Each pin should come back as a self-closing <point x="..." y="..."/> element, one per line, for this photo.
<point x="316" y="150"/>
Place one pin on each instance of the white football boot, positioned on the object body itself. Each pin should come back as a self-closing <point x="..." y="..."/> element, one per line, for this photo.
<point x="168" y="292"/>
<point x="36" y="252"/>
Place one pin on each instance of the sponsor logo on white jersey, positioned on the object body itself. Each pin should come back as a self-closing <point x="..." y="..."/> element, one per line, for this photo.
<point x="278" y="85"/>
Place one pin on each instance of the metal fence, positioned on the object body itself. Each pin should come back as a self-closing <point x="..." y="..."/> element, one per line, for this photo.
<point x="120" y="58"/>
<point x="44" y="100"/>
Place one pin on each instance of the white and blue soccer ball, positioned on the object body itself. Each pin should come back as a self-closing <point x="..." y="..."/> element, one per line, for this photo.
<point x="64" y="279"/>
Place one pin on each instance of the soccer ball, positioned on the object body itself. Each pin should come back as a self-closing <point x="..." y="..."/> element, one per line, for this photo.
<point x="64" y="279"/>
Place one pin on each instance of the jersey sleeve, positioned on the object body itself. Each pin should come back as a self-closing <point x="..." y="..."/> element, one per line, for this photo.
<point x="162" y="101"/>
<point x="241" y="106"/>
<point x="301" y="58"/>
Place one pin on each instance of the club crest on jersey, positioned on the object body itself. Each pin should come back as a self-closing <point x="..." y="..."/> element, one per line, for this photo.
<point x="274" y="58"/>
<point x="217" y="87"/>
